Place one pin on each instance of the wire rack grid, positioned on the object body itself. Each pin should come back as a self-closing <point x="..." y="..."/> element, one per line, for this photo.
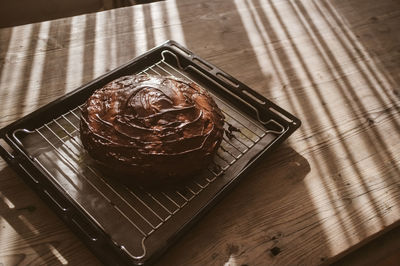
<point x="137" y="212"/>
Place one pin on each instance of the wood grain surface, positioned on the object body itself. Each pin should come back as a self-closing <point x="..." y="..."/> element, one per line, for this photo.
<point x="332" y="187"/>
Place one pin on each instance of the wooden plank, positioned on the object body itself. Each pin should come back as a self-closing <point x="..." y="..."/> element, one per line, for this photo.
<point x="335" y="64"/>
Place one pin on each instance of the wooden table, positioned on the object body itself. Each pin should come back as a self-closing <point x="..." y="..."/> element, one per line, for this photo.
<point x="333" y="186"/>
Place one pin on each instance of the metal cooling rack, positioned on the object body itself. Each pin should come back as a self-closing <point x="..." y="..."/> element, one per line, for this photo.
<point x="140" y="220"/>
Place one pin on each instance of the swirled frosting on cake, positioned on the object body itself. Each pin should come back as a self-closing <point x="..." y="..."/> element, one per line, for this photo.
<point x="151" y="129"/>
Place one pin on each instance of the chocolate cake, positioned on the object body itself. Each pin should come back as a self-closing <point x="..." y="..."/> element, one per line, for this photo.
<point x="151" y="129"/>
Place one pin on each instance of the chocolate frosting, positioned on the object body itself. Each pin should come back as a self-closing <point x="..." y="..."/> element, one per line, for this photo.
<point x="151" y="129"/>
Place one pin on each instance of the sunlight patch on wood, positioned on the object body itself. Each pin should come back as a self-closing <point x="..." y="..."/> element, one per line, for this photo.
<point x="28" y="224"/>
<point x="99" y="59"/>
<point x="139" y="24"/>
<point x="13" y="67"/>
<point x="175" y="23"/>
<point x="256" y="40"/>
<point x="157" y="18"/>
<point x="35" y="80"/>
<point x="232" y="261"/>
<point x="7" y="201"/>
<point x="76" y="53"/>
<point x="57" y="254"/>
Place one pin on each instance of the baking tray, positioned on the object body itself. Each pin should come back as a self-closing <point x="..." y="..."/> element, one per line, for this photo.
<point x="134" y="225"/>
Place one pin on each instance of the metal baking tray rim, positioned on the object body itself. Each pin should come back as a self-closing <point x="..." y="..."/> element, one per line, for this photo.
<point x="21" y="163"/>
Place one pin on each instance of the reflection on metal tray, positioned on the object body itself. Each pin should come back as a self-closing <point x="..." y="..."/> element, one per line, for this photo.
<point x="133" y="224"/>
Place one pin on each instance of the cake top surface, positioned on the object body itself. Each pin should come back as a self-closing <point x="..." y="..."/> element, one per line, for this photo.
<point x="153" y="115"/>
